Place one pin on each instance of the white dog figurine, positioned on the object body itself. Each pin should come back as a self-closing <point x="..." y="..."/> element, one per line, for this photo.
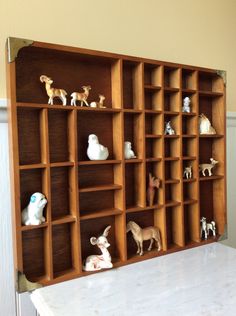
<point x="129" y="154"/>
<point x="169" y="129"/>
<point x="95" y="150"/>
<point x="186" y="105"/>
<point x="33" y="213"/>
<point x="205" y="126"/>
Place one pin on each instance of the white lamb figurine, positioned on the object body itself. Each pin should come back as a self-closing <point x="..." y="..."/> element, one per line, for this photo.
<point x="129" y="154"/>
<point x="95" y="150"/>
<point x="33" y="213"/>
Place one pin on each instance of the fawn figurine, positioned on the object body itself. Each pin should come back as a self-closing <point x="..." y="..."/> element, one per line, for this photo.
<point x="188" y="172"/>
<point x="80" y="96"/>
<point x="98" y="104"/>
<point x="103" y="261"/>
<point x="208" y="166"/>
<point x="53" y="92"/>
<point x="154" y="183"/>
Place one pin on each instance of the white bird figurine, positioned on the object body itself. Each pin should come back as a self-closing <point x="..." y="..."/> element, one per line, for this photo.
<point x="129" y="154"/>
<point x="95" y="150"/>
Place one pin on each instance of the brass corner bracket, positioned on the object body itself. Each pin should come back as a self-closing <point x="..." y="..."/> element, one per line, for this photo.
<point x="14" y="44"/>
<point x="23" y="285"/>
<point x="222" y="74"/>
<point x="225" y="235"/>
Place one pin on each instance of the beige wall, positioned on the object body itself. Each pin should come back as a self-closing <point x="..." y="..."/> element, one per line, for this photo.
<point x="196" y="32"/>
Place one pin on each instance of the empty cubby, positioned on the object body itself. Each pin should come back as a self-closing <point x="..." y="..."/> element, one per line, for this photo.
<point x="191" y="223"/>
<point x="210" y="82"/>
<point x="189" y="79"/>
<point x="171" y="77"/>
<point x="172" y="147"/>
<point x="153" y="148"/>
<point x="152" y="75"/>
<point x="172" y="170"/>
<point x="172" y="191"/>
<point x="171" y="101"/>
<point x="189" y="125"/>
<point x="133" y="189"/>
<point x="190" y="192"/>
<point x="153" y="99"/>
<point x="174" y="227"/>
<point x="153" y="124"/>
<point x="189" y="148"/>
<point x="131" y="85"/>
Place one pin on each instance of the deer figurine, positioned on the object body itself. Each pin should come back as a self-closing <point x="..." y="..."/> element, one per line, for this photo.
<point x="153" y="183"/>
<point x="208" y="166"/>
<point x="53" y="92"/>
<point x="98" y="104"/>
<point x="103" y="261"/>
<point x="80" y="96"/>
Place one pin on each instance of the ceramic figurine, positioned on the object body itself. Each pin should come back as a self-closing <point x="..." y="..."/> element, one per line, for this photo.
<point x="188" y="172"/>
<point x="53" y="92"/>
<point x="33" y="213"/>
<point x="208" y="166"/>
<point x="154" y="183"/>
<point x="205" y="125"/>
<point x="129" y="154"/>
<point x="168" y="129"/>
<point x="186" y="105"/>
<point x="80" y="96"/>
<point x="206" y="227"/>
<point x="98" y="104"/>
<point x="95" y="150"/>
<point x="103" y="261"/>
<point x="149" y="233"/>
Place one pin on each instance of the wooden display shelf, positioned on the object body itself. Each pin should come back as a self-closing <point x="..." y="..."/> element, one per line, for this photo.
<point x="49" y="145"/>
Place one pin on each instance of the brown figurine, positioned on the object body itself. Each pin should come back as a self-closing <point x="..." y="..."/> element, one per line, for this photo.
<point x="153" y="183"/>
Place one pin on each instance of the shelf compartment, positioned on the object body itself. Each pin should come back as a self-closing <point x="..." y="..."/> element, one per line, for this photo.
<point x="153" y="125"/>
<point x="34" y="254"/>
<point x="189" y="79"/>
<point x="174" y="227"/>
<point x="134" y="182"/>
<point x="153" y="75"/>
<point x="133" y="127"/>
<point x="189" y="125"/>
<point x="30" y="138"/>
<point x="59" y="124"/>
<point x="156" y="169"/>
<point x="190" y="163"/>
<point x="153" y="99"/>
<point x="190" y="191"/>
<point x="171" y="77"/>
<point x="154" y="147"/>
<point x="172" y="147"/>
<point x="210" y="82"/>
<point x="172" y="192"/>
<point x="175" y="121"/>
<point x="132" y="85"/>
<point x="191" y="223"/>
<point x="171" y="101"/>
<point x="189" y="147"/>
<point x="172" y="170"/>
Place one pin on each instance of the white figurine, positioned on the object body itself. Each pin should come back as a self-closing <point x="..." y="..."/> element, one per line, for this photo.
<point x="203" y="227"/>
<point x="53" y="92"/>
<point x="208" y="166"/>
<point x="188" y="172"/>
<point x="169" y="129"/>
<point x="129" y="154"/>
<point x="80" y="96"/>
<point x="186" y="105"/>
<point x="95" y="150"/>
<point x="211" y="226"/>
<point x="206" y="227"/>
<point x="33" y="213"/>
<point x="98" y="104"/>
<point x="205" y="125"/>
<point x="103" y="261"/>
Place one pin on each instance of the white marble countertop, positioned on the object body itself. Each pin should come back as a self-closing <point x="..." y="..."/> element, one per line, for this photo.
<point x="198" y="281"/>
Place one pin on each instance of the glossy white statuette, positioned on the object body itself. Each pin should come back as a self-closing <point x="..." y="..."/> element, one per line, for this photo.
<point x="206" y="227"/>
<point x="186" y="105"/>
<point x="53" y="92"/>
<point x="103" y="261"/>
<point x="33" y="213"/>
<point x="205" y="126"/>
<point x="95" y="150"/>
<point x="129" y="153"/>
<point x="169" y="129"/>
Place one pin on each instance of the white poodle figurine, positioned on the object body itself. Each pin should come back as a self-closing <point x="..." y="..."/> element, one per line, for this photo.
<point x="129" y="154"/>
<point x="95" y="150"/>
<point x="33" y="213"/>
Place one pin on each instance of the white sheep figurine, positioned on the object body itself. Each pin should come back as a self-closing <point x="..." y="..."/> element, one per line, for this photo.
<point x="96" y="151"/>
<point x="53" y="92"/>
<point x="81" y="96"/>
<point x="129" y="153"/>
<point x="33" y="213"/>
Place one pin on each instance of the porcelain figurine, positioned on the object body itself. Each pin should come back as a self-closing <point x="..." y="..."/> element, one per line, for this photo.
<point x="103" y="261"/>
<point x="203" y="227"/>
<point x="188" y="172"/>
<point x="129" y="154"/>
<point x="33" y="213"/>
<point x="186" y="105"/>
<point x="149" y="233"/>
<point x="53" y="92"/>
<point x="169" y="129"/>
<point x="208" y="166"/>
<point x="98" y="104"/>
<point x="80" y="96"/>
<point x="211" y="226"/>
<point x="154" y="183"/>
<point x="205" y="126"/>
<point x="95" y="150"/>
<point x="206" y="227"/>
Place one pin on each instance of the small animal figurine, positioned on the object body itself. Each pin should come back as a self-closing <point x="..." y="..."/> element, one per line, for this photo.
<point x="188" y="172"/>
<point x="205" y="126"/>
<point x="203" y="227"/>
<point x="33" y="213"/>
<point x="169" y="129"/>
<point x="149" y="233"/>
<point x="95" y="150"/>
<point x="129" y="154"/>
<point x="211" y="226"/>
<point x="53" y="92"/>
<point x="80" y="96"/>
<point x="208" y="166"/>
<point x="103" y="261"/>
<point x="154" y="183"/>
<point x="206" y="227"/>
<point x="98" y="104"/>
<point x="186" y="105"/>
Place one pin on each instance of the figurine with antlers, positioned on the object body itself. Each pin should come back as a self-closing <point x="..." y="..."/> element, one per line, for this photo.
<point x="80" y="96"/>
<point x="103" y="261"/>
<point x="98" y="104"/>
<point x="53" y="92"/>
<point x="153" y="183"/>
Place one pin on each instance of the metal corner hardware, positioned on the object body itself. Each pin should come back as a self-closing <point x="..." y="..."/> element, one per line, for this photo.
<point x="222" y="74"/>
<point x="23" y="285"/>
<point x="225" y="234"/>
<point x="14" y="44"/>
